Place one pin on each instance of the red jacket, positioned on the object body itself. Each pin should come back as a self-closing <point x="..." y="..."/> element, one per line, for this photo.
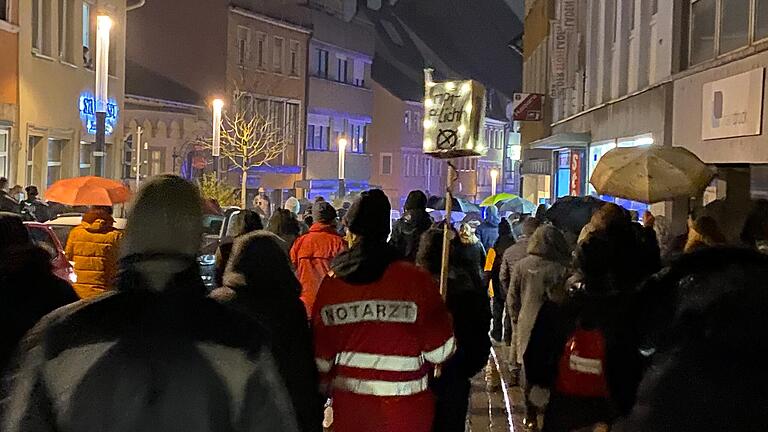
<point x="312" y="254"/>
<point x="375" y="348"/>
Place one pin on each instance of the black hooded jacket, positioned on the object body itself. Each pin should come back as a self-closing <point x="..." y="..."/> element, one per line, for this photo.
<point x="260" y="283"/>
<point x="407" y="232"/>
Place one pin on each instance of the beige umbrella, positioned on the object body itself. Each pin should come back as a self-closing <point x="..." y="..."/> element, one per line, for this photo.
<point x="651" y="174"/>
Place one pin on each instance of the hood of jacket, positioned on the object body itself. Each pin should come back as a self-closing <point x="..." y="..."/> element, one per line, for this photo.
<point x="364" y="263"/>
<point x="549" y="243"/>
<point x="492" y="216"/>
<point x="99" y="226"/>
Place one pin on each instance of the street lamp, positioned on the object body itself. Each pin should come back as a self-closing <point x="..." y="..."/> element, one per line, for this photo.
<point x="218" y="104"/>
<point x="103" y="27"/>
<point x="494" y="176"/>
<point x="342" y="162"/>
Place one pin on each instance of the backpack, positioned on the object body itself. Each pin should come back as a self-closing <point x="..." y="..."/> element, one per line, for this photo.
<point x="581" y="371"/>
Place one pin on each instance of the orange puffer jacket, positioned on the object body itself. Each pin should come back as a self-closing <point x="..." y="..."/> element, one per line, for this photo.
<point x="312" y="254"/>
<point x="94" y="249"/>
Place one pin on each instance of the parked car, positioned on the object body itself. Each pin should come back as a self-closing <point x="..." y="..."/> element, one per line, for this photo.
<point x="45" y="237"/>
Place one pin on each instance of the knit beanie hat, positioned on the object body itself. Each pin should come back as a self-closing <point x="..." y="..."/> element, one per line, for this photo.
<point x="323" y="211"/>
<point x="369" y="215"/>
<point x="416" y="200"/>
<point x="166" y="217"/>
<point x="293" y="205"/>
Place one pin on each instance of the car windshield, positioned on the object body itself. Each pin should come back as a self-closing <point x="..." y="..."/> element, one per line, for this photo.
<point x="42" y="238"/>
<point x="212" y="224"/>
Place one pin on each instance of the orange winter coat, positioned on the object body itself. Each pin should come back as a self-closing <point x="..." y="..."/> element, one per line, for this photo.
<point x="94" y="249"/>
<point x="312" y="254"/>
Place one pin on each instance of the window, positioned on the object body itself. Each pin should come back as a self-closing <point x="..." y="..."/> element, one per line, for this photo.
<point x="292" y="123"/>
<point x="317" y="137"/>
<point x="702" y="30"/>
<point x="407" y="120"/>
<point x="342" y="74"/>
<point x="4" y="152"/>
<point x="322" y="62"/>
<point x="654" y="7"/>
<point x="33" y="175"/>
<point x="632" y="6"/>
<point x="261" y="50"/>
<point x="386" y="164"/>
<point x="85" y="159"/>
<point x="734" y="25"/>
<point x="357" y="135"/>
<point x="417" y="121"/>
<point x="243" y="45"/>
<point x="277" y="55"/>
<point x="156" y="161"/>
<point x="88" y="53"/>
<point x="41" y="26"/>
<point x="294" y="58"/>
<point x="55" y="150"/>
<point x="128" y="155"/>
<point x="761" y="19"/>
<point x="4" y="10"/>
<point x="66" y="27"/>
<point x="615" y="26"/>
<point x="359" y="73"/>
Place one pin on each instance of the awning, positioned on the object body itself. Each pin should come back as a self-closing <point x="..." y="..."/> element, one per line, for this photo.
<point x="567" y="139"/>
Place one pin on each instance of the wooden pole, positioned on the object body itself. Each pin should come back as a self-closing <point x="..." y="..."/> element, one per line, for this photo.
<point x="447" y="229"/>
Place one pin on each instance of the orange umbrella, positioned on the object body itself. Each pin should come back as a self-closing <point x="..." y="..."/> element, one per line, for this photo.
<point x="88" y="191"/>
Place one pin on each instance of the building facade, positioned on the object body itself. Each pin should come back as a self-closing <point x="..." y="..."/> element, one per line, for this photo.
<point x="340" y="100"/>
<point x="9" y="86"/>
<point x="53" y="134"/>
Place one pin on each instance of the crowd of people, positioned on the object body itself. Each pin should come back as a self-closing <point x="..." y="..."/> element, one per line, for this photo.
<point x="334" y="318"/>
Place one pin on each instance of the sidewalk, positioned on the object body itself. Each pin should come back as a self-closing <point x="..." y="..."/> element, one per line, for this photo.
<point x="494" y="405"/>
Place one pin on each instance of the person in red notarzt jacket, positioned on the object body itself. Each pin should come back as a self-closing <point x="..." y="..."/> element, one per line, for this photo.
<point x="313" y="252"/>
<point x="380" y="327"/>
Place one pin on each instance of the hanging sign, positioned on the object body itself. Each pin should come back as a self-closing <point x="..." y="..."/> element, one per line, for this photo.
<point x="454" y="112"/>
<point x="87" y="108"/>
<point x="526" y="107"/>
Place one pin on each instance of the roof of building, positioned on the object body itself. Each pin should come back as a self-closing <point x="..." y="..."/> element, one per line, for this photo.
<point x="141" y="81"/>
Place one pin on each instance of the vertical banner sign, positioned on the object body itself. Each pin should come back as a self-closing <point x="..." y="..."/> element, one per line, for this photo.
<point x="454" y="112"/>
<point x="563" y="39"/>
<point x="575" y="189"/>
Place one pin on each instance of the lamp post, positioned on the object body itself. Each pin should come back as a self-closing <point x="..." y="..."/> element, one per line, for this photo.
<point x="494" y="177"/>
<point x="342" y="161"/>
<point x="103" y="27"/>
<point x="218" y="104"/>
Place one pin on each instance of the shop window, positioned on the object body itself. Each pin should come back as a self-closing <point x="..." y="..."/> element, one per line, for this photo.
<point x="386" y="164"/>
<point x="41" y="26"/>
<point x="86" y="161"/>
<point x="761" y="19"/>
<point x="243" y="45"/>
<point x="702" y="30"/>
<point x="277" y="54"/>
<point x="4" y="152"/>
<point x="55" y="151"/>
<point x="734" y="25"/>
<point x="322" y="63"/>
<point x="66" y="29"/>
<point x="294" y="58"/>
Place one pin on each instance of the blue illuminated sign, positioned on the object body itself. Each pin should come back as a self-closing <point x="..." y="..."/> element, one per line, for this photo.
<point x="87" y="107"/>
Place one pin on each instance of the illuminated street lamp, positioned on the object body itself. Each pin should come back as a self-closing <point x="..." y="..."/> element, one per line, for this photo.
<point x="103" y="27"/>
<point x="494" y="177"/>
<point x="218" y="105"/>
<point x="342" y="162"/>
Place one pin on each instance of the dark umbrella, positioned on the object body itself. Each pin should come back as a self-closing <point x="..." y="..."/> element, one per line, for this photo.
<point x="459" y="205"/>
<point x="571" y="213"/>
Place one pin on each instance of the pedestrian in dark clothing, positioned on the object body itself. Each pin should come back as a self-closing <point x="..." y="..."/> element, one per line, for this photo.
<point x="260" y="283"/>
<point x="407" y="231"/>
<point x="245" y="222"/>
<point x="708" y="370"/>
<point x="155" y="355"/>
<point x="467" y="301"/>
<point x="755" y="232"/>
<point x="33" y="209"/>
<point x="488" y="231"/>
<point x="30" y="290"/>
<point x="503" y="243"/>
<point x="7" y="202"/>
<point x="470" y="252"/>
<point x="284" y="224"/>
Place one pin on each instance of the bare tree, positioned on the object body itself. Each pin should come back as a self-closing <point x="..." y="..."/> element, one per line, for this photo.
<point x="248" y="140"/>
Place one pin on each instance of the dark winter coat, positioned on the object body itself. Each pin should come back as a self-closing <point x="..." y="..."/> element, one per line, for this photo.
<point x="8" y="203"/>
<point x="488" y="231"/>
<point x="407" y="232"/>
<point x="500" y="248"/>
<point x="472" y="257"/>
<point x="28" y="291"/>
<point x="260" y="283"/>
<point x="708" y="371"/>
<point x="139" y="359"/>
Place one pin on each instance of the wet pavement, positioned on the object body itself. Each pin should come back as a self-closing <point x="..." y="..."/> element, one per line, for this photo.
<point x="495" y="406"/>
